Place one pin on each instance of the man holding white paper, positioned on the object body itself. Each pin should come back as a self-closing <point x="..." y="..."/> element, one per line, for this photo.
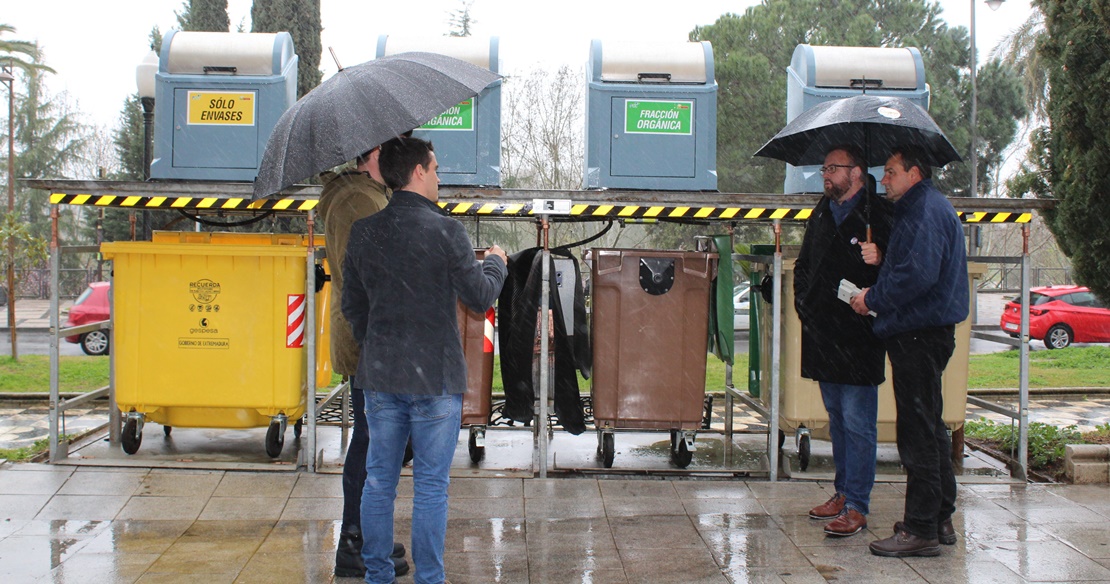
<point x="839" y="349"/>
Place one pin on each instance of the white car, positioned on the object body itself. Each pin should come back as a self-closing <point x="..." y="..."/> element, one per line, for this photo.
<point x="740" y="297"/>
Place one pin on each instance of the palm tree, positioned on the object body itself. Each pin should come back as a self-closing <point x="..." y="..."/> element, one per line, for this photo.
<point x="10" y="48"/>
<point x="1019" y="50"/>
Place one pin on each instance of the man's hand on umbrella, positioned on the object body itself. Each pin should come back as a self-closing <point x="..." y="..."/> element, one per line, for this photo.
<point x="497" y="251"/>
<point x="871" y="253"/>
<point x="859" y="303"/>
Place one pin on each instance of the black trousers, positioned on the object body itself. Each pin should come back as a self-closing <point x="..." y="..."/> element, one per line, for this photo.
<point x="917" y="360"/>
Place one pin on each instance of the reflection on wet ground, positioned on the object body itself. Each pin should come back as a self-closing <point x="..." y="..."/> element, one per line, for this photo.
<point x="89" y="524"/>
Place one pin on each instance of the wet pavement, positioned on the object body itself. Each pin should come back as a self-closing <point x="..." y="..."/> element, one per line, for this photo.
<point x="95" y="524"/>
<point x="209" y="505"/>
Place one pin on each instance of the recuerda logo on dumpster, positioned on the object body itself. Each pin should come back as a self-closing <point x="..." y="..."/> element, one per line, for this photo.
<point x="205" y="292"/>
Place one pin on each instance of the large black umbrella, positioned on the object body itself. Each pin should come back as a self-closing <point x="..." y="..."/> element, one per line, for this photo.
<point x="360" y="107"/>
<point x="873" y="123"/>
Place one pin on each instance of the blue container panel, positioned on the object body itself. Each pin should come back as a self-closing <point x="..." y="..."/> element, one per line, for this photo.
<point x="202" y="146"/>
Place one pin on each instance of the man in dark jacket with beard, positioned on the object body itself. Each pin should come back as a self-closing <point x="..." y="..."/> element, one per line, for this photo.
<point x="839" y="349"/>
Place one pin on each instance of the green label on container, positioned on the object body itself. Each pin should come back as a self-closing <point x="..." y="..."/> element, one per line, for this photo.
<point x="659" y="117"/>
<point x="459" y="117"/>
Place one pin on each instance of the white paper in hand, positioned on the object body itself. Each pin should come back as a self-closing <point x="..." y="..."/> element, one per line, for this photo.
<point x="847" y="290"/>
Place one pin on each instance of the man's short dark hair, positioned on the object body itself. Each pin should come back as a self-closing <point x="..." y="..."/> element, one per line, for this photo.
<point x="399" y="158"/>
<point x="362" y="158"/>
<point x="855" y="155"/>
<point x="914" y="156"/>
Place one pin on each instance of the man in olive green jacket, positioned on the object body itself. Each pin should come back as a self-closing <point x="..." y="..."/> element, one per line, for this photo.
<point x="347" y="197"/>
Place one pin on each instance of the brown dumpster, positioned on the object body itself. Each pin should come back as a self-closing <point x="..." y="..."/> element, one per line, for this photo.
<point x="650" y="312"/>
<point x="476" y="330"/>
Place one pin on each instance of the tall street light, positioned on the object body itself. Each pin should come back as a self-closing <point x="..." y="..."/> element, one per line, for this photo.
<point x="6" y="75"/>
<point x="144" y="79"/>
<point x="973" y="230"/>
<point x="994" y="4"/>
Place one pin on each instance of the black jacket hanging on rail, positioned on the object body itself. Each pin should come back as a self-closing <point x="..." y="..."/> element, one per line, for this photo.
<point x="518" y="310"/>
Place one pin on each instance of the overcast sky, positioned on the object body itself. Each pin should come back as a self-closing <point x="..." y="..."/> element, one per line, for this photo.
<point x="95" y="45"/>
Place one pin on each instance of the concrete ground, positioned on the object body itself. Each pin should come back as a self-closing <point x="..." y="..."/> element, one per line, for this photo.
<point x="63" y="523"/>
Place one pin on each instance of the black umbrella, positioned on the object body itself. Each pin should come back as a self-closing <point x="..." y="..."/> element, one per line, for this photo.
<point x="360" y="107"/>
<point x="873" y="123"/>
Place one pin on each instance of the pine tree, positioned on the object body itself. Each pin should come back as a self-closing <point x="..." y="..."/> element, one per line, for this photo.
<point x="204" y="16"/>
<point x="1077" y="46"/>
<point x="301" y="19"/>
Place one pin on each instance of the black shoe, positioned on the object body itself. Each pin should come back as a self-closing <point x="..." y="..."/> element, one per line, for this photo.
<point x="400" y="566"/>
<point x="348" y="556"/>
<point x="946" y="533"/>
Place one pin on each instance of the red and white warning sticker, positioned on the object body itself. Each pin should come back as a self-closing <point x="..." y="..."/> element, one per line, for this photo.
<point x="294" y="321"/>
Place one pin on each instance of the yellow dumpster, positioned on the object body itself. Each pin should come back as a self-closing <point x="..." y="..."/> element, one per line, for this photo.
<point x="210" y="332"/>
<point x="801" y="409"/>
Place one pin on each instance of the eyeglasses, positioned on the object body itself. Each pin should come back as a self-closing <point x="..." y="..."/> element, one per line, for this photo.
<point x="831" y="168"/>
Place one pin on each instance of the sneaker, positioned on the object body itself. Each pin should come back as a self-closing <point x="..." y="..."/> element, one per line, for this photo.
<point x="905" y="544"/>
<point x="850" y="522"/>
<point x="829" y="509"/>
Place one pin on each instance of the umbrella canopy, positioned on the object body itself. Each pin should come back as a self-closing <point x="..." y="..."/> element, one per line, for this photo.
<point x="360" y="107"/>
<point x="873" y="123"/>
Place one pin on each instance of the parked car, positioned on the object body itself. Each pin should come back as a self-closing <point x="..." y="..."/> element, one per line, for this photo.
<point x="93" y="305"/>
<point x="1060" y="316"/>
<point x="740" y="298"/>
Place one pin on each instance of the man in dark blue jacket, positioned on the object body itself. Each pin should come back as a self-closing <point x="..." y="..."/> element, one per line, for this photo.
<point x="921" y="293"/>
<point x="839" y="349"/>
<point x="405" y="270"/>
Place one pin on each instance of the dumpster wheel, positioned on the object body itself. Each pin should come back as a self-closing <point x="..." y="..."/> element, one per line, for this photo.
<point x="607" y="449"/>
<point x="477" y="444"/>
<point x="167" y="430"/>
<point x="680" y="452"/>
<point x="132" y="436"/>
<point x="275" y="439"/>
<point x="803" y="451"/>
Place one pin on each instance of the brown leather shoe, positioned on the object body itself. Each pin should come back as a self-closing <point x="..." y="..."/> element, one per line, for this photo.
<point x="850" y="522"/>
<point x="946" y="533"/>
<point x="829" y="509"/>
<point x="905" y="544"/>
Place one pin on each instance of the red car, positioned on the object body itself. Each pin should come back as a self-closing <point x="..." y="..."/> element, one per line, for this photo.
<point x="93" y="305"/>
<point x="1060" y="315"/>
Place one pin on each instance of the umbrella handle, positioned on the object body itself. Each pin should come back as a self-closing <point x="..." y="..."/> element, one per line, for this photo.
<point x="868" y="233"/>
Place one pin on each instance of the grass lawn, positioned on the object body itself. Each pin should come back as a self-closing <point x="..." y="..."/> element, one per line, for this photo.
<point x="1072" y="367"/>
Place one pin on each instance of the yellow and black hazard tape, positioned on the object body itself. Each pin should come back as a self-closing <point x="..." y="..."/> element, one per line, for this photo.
<point x="990" y="217"/>
<point x="627" y="211"/>
<point x="191" y="203"/>
<point x="490" y="209"/>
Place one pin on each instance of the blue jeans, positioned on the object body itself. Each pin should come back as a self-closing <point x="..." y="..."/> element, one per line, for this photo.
<point x="433" y="423"/>
<point x="853" y="414"/>
<point x="354" y="465"/>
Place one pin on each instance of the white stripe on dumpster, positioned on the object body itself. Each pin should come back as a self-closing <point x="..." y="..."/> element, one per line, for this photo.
<point x="294" y="323"/>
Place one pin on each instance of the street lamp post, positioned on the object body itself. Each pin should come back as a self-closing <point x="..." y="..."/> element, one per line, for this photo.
<point x="8" y="77"/>
<point x="973" y="231"/>
<point x="144" y="80"/>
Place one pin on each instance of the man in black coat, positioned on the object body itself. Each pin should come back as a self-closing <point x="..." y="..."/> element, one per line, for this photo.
<point x="405" y="270"/>
<point x="844" y="240"/>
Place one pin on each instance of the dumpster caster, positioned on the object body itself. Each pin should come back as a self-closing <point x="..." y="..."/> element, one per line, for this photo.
<point x="803" y="448"/>
<point x="477" y="443"/>
<point x="605" y="449"/>
<point x="166" y="430"/>
<point x="132" y="433"/>
<point x="275" y="436"/>
<point x="682" y="448"/>
<point x="298" y="427"/>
